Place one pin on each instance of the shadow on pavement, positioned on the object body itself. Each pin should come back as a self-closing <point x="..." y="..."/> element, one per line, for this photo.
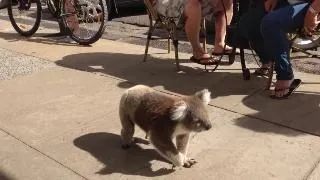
<point x="300" y="112"/>
<point x="157" y="72"/>
<point x="43" y="38"/>
<point x="222" y="83"/>
<point x="106" y="147"/>
<point x="4" y="176"/>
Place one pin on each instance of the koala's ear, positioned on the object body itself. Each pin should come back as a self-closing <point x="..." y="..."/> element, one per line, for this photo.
<point x="204" y="95"/>
<point x="178" y="110"/>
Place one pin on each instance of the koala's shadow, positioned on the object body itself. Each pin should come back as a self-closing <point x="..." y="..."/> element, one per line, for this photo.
<point x="106" y="148"/>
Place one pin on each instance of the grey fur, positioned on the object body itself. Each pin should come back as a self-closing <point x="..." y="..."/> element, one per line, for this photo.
<point x="164" y="118"/>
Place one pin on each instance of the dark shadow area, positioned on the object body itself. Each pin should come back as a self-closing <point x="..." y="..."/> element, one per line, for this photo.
<point x="300" y="112"/>
<point x="43" y="38"/>
<point x="4" y="176"/>
<point x="222" y="83"/>
<point x="157" y="72"/>
<point x="106" y="148"/>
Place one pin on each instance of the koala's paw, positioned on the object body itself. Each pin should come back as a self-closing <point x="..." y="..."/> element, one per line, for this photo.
<point x="188" y="163"/>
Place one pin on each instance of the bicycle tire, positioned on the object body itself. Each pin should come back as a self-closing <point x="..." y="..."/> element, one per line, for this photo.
<point x="97" y="35"/>
<point x="36" y="24"/>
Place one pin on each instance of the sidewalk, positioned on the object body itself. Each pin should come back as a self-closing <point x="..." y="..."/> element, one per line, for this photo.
<point x="61" y="121"/>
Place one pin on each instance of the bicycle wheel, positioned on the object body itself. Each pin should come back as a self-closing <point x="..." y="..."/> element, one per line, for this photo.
<point x="25" y="16"/>
<point x="85" y="19"/>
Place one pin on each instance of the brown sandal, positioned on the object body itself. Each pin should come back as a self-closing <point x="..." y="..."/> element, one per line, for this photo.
<point x="294" y="85"/>
<point x="262" y="71"/>
<point x="204" y="61"/>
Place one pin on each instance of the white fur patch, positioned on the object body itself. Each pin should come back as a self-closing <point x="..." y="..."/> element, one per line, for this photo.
<point x="179" y="111"/>
<point x="204" y="95"/>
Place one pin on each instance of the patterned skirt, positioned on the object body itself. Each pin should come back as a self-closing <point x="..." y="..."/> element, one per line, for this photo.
<point x="175" y="8"/>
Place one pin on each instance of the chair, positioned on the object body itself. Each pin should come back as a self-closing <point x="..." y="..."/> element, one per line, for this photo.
<point x="236" y="42"/>
<point x="311" y="44"/>
<point x="157" y="20"/>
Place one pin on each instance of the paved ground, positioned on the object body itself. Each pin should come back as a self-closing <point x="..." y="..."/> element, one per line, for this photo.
<point x="59" y="120"/>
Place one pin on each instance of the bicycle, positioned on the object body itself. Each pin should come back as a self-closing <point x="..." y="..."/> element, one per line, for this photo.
<point x="83" y="20"/>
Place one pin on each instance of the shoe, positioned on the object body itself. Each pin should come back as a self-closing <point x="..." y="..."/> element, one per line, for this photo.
<point x="262" y="71"/>
<point x="225" y="52"/>
<point x="208" y="61"/>
<point x="293" y="86"/>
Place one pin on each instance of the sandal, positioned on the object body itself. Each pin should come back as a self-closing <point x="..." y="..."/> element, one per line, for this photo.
<point x="224" y="52"/>
<point x="262" y="71"/>
<point x="294" y="85"/>
<point x="204" y="61"/>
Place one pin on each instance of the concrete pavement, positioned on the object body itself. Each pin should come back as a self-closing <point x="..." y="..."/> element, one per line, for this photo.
<point x="60" y="120"/>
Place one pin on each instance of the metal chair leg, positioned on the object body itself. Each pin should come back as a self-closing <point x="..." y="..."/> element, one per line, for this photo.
<point x="169" y="43"/>
<point x="270" y="76"/>
<point x="204" y="32"/>
<point x="151" y="29"/>
<point x="173" y="32"/>
<point x="245" y="70"/>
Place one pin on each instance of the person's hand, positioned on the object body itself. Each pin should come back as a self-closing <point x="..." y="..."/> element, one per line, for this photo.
<point x="310" y="22"/>
<point x="269" y="5"/>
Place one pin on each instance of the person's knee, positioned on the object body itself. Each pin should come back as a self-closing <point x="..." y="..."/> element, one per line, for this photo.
<point x="268" y="23"/>
<point x="193" y="4"/>
<point x="191" y="7"/>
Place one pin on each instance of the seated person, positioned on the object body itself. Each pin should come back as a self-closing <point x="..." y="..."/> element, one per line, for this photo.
<point x="266" y="25"/>
<point x="193" y="10"/>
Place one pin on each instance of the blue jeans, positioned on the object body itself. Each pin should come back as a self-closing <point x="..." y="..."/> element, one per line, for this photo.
<point x="267" y="33"/>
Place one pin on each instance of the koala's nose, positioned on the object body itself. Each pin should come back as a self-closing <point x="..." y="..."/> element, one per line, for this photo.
<point x="209" y="126"/>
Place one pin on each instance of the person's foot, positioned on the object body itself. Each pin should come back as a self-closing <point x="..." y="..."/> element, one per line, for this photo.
<point x="202" y="57"/>
<point x="220" y="49"/>
<point x="282" y="87"/>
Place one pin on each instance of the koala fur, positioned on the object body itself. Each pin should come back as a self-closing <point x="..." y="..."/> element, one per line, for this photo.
<point x="164" y="118"/>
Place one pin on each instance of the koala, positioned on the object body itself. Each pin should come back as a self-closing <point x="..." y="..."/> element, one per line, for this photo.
<point x="164" y="118"/>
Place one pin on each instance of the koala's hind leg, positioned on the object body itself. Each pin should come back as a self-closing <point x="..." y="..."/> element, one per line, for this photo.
<point x="182" y="142"/>
<point x="127" y="131"/>
<point x="167" y="149"/>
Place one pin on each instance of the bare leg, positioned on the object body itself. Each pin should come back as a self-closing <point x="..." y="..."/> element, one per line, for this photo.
<point x="72" y="20"/>
<point x="192" y="27"/>
<point x="221" y="26"/>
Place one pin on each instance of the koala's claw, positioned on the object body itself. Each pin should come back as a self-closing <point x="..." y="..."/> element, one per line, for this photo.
<point x="189" y="163"/>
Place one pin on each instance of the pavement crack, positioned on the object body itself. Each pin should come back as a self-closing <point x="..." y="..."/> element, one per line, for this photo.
<point x="44" y="154"/>
<point x="309" y="173"/>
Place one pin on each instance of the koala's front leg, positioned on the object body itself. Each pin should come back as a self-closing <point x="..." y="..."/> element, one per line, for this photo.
<point x="182" y="146"/>
<point x="166" y="148"/>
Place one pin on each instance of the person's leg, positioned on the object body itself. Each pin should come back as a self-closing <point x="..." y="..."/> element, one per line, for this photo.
<point x="274" y="29"/>
<point x="72" y="20"/>
<point x="224" y="11"/>
<point x="192" y="13"/>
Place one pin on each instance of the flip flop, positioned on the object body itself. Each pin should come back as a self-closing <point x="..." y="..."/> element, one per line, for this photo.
<point x="263" y="71"/>
<point x="293" y="86"/>
<point x="209" y="61"/>
<point x="225" y="52"/>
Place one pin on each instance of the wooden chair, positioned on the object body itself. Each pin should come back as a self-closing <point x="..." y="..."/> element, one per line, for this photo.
<point x="157" y="20"/>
